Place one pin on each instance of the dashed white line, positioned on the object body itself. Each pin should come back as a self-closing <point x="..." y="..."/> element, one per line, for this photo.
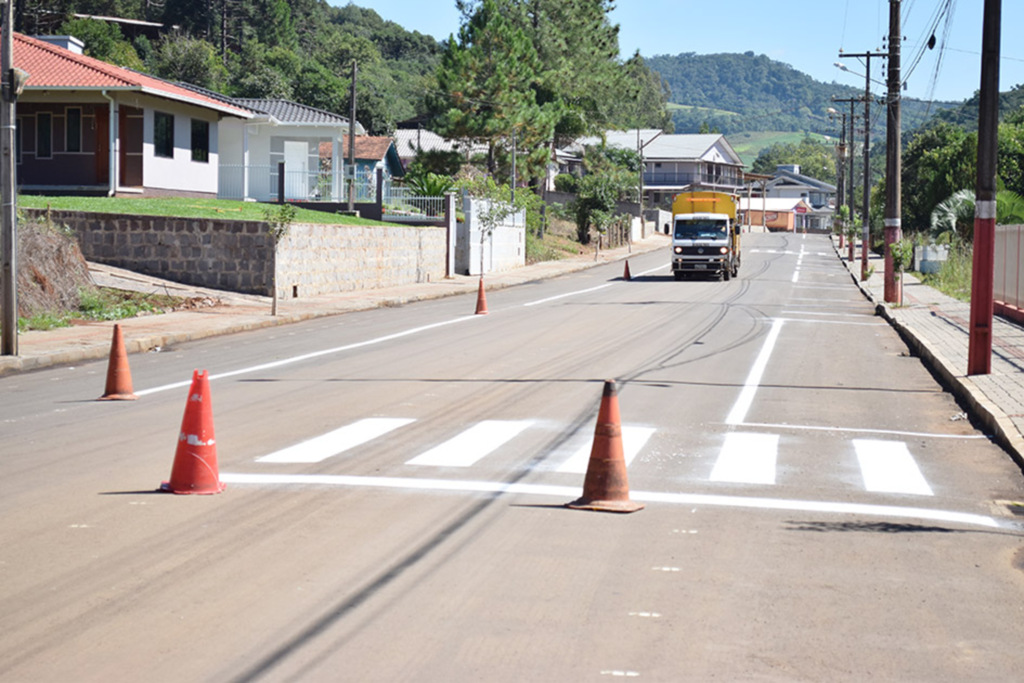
<point x="338" y="441"/>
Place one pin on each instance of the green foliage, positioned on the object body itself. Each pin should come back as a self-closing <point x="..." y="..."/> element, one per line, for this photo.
<point x="954" y="278"/>
<point x="565" y="182"/>
<point x="439" y="161"/>
<point x="902" y="255"/>
<point x="430" y="184"/>
<point x="953" y="218"/>
<point x="280" y="219"/>
<point x="103" y="40"/>
<point x="189" y="60"/>
<point x="816" y="159"/>
<point x="754" y="93"/>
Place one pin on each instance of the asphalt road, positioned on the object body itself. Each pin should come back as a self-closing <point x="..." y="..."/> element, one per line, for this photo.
<point x="816" y="508"/>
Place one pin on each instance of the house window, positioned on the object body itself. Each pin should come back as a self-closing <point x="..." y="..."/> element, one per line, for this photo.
<point x="73" y="130"/>
<point x="163" y="135"/>
<point x="44" y="136"/>
<point x="200" y="140"/>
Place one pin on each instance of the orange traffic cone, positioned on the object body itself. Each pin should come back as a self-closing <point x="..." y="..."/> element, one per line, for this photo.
<point x="625" y="273"/>
<point x="481" y="299"/>
<point x="195" y="462"/>
<point x="119" y="376"/>
<point x="606" y="486"/>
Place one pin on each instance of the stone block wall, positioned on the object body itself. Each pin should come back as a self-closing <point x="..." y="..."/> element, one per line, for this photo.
<point x="239" y="255"/>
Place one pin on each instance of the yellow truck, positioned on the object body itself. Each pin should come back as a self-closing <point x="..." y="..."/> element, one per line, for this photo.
<point x="705" y="235"/>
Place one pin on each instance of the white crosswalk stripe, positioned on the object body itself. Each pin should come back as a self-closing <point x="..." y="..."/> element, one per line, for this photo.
<point x="340" y="440"/>
<point x="472" y="445"/>
<point x="747" y="458"/>
<point x="888" y="467"/>
<point x="633" y="441"/>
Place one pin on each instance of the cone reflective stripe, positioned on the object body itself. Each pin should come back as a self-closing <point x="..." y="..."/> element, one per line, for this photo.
<point x="195" y="461"/>
<point x="119" y="375"/>
<point x="625" y="273"/>
<point x="481" y="299"/>
<point x="606" y="485"/>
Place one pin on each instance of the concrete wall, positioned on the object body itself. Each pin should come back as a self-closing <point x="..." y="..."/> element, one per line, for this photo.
<point x="503" y="249"/>
<point x="239" y="255"/>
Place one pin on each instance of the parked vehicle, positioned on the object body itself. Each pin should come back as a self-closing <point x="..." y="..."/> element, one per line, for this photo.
<point x="705" y="235"/>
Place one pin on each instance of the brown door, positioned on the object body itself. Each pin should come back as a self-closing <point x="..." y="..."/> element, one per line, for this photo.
<point x="130" y="129"/>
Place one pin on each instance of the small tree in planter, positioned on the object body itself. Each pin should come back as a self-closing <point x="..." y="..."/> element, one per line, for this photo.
<point x="279" y="220"/>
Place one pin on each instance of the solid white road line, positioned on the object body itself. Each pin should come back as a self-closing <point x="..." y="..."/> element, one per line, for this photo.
<point x="742" y="405"/>
<point x="747" y="458"/>
<point x="861" y="430"/>
<point x="471" y="445"/>
<point x="633" y="441"/>
<point x="888" y="467"/>
<point x="572" y="492"/>
<point x="340" y="440"/>
<point x="314" y="354"/>
<point x="568" y="294"/>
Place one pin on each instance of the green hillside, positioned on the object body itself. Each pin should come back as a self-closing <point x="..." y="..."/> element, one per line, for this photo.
<point x="749" y="144"/>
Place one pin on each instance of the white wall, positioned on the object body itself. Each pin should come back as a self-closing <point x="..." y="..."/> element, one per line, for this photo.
<point x="504" y="249"/>
<point x="179" y="172"/>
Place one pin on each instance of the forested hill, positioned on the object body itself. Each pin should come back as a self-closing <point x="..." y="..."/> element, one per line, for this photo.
<point x="747" y="92"/>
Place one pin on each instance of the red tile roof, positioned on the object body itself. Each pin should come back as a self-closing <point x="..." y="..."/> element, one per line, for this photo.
<point x="52" y="68"/>
<point x="367" y="147"/>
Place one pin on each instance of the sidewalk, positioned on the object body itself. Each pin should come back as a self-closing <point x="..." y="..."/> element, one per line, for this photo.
<point x="936" y="328"/>
<point x="240" y="312"/>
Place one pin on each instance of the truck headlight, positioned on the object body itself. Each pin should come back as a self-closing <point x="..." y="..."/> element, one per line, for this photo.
<point x="679" y="250"/>
<point x="724" y="250"/>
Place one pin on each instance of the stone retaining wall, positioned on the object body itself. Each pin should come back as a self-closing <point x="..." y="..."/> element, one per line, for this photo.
<point x="239" y="255"/>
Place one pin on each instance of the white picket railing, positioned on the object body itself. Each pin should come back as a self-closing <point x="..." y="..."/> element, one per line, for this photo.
<point x="308" y="186"/>
<point x="1008" y="285"/>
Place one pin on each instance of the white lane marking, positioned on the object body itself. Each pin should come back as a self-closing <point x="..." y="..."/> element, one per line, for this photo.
<point x="888" y="467"/>
<point x="833" y="322"/>
<point x="862" y="430"/>
<point x="796" y="275"/>
<point x="338" y="441"/>
<point x="742" y="405"/>
<point x="653" y="270"/>
<point x="572" y="492"/>
<point x="833" y="315"/>
<point x="471" y="445"/>
<point x="562" y="296"/>
<point x="314" y="354"/>
<point x="747" y="459"/>
<point x="633" y="441"/>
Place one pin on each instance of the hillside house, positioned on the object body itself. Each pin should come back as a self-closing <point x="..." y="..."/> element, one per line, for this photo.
<point x="88" y="127"/>
<point x="820" y="197"/>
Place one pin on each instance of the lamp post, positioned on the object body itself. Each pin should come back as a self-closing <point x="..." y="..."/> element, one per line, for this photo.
<point x="12" y="80"/>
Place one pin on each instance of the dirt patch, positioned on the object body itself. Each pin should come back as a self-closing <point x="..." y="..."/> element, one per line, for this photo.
<point x="52" y="273"/>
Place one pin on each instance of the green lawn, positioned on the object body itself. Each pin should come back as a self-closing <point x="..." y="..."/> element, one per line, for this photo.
<point x="182" y="207"/>
<point x="749" y="145"/>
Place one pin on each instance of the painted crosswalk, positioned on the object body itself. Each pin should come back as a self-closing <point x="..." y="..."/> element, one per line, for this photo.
<point x="749" y="458"/>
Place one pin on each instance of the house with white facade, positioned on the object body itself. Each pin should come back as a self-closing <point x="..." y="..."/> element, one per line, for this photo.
<point x="820" y="197"/>
<point x="88" y="127"/>
<point x="308" y="141"/>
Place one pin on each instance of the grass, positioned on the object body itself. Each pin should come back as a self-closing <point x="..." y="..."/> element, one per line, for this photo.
<point x="182" y="207"/>
<point x="101" y="304"/>
<point x="749" y="145"/>
<point x="954" y="279"/>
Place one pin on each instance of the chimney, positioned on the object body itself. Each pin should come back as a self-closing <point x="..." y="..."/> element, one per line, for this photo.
<point x="67" y="42"/>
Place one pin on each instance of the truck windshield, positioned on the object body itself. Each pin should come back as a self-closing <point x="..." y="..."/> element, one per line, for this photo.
<point x="700" y="229"/>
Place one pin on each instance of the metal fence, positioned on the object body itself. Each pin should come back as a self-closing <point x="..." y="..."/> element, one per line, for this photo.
<point x="299" y="186"/>
<point x="402" y="204"/>
<point x="1009" y="247"/>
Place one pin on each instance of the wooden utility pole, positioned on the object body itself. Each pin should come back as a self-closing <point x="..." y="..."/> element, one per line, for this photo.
<point x="8" y="197"/>
<point x="979" y="349"/>
<point x="866" y="238"/>
<point x="893" y="167"/>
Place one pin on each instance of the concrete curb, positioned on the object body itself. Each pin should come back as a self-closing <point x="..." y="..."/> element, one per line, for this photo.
<point x="974" y="401"/>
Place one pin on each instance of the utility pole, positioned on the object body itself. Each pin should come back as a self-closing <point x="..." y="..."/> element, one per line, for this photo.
<point x="979" y="350"/>
<point x="352" y="143"/>
<point x="852" y="101"/>
<point x="867" y="156"/>
<point x="893" y="166"/>
<point x="8" y="197"/>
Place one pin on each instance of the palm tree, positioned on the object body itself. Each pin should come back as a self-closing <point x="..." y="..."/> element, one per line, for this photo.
<point x="953" y="218"/>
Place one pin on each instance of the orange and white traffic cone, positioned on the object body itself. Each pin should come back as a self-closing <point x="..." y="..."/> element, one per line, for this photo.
<point x="625" y="273"/>
<point x="119" y="375"/>
<point x="481" y="299"/>
<point x="195" y="461"/>
<point x="606" y="486"/>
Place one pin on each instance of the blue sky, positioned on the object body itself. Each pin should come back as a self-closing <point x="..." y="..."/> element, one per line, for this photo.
<point x="806" y="34"/>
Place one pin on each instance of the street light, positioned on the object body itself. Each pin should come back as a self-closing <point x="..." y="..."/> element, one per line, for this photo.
<point x="843" y="67"/>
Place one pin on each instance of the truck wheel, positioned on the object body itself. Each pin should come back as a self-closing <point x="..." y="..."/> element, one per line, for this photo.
<point x="726" y="273"/>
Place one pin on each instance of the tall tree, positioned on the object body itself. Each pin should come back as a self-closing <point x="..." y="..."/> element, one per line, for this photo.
<point x="487" y="80"/>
